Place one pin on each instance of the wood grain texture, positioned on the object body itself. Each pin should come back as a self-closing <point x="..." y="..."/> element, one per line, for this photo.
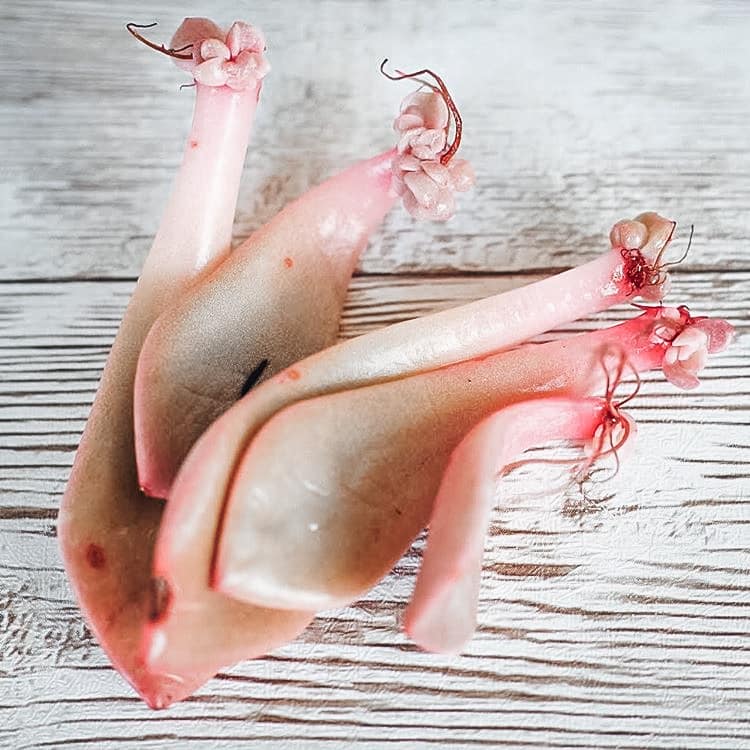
<point x="605" y="623"/>
<point x="576" y="114"/>
<point x="601" y="621"/>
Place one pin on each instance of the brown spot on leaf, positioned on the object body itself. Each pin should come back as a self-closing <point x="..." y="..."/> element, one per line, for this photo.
<point x="161" y="598"/>
<point x="95" y="556"/>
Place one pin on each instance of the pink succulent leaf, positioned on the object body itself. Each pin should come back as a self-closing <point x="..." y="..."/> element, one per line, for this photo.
<point x="213" y="48"/>
<point x="420" y="213"/>
<point x="423" y="188"/>
<point x="428" y="144"/>
<point x="462" y="175"/>
<point x="239" y="77"/>
<point x="429" y="107"/>
<point x="406" y="163"/>
<point x="246" y="70"/>
<point x="397" y="184"/>
<point x="719" y="333"/>
<point x="237" y="62"/>
<point x="261" y="64"/>
<point x="690" y="340"/>
<point x="439" y="173"/>
<point x="659" y="230"/>
<point x="444" y="207"/>
<point x="691" y="358"/>
<point x="243" y="37"/>
<point x="194" y="31"/>
<point x="428" y="191"/>
<point x="435" y="112"/>
<point x="695" y="361"/>
<point x="689" y="350"/>
<point x="407" y="122"/>
<point x="628" y="235"/>
<point x="414" y="102"/>
<point x="667" y="324"/>
<point x="211" y="72"/>
<point x="442" y="210"/>
<point x="406" y="139"/>
<point x="680" y="375"/>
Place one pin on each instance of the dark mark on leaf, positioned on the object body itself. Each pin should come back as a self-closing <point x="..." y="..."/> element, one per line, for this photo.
<point x="254" y="377"/>
<point x="161" y="598"/>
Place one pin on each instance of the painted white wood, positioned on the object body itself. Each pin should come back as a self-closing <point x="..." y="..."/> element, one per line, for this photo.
<point x="599" y="624"/>
<point x="576" y="114"/>
<point x="624" y="623"/>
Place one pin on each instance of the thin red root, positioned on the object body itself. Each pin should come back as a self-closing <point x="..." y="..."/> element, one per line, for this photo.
<point x="613" y="383"/>
<point x="612" y="418"/>
<point x="640" y="272"/>
<point x="657" y="266"/>
<point x="158" y="47"/>
<point x="441" y="89"/>
<point x="683" y="256"/>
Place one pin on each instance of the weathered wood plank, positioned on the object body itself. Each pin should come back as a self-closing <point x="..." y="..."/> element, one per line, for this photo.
<point x="622" y="623"/>
<point x="574" y="116"/>
<point x="54" y="339"/>
<point x="600" y="625"/>
<point x="570" y="659"/>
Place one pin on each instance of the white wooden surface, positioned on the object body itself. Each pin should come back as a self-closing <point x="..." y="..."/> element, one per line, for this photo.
<point x="624" y="623"/>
